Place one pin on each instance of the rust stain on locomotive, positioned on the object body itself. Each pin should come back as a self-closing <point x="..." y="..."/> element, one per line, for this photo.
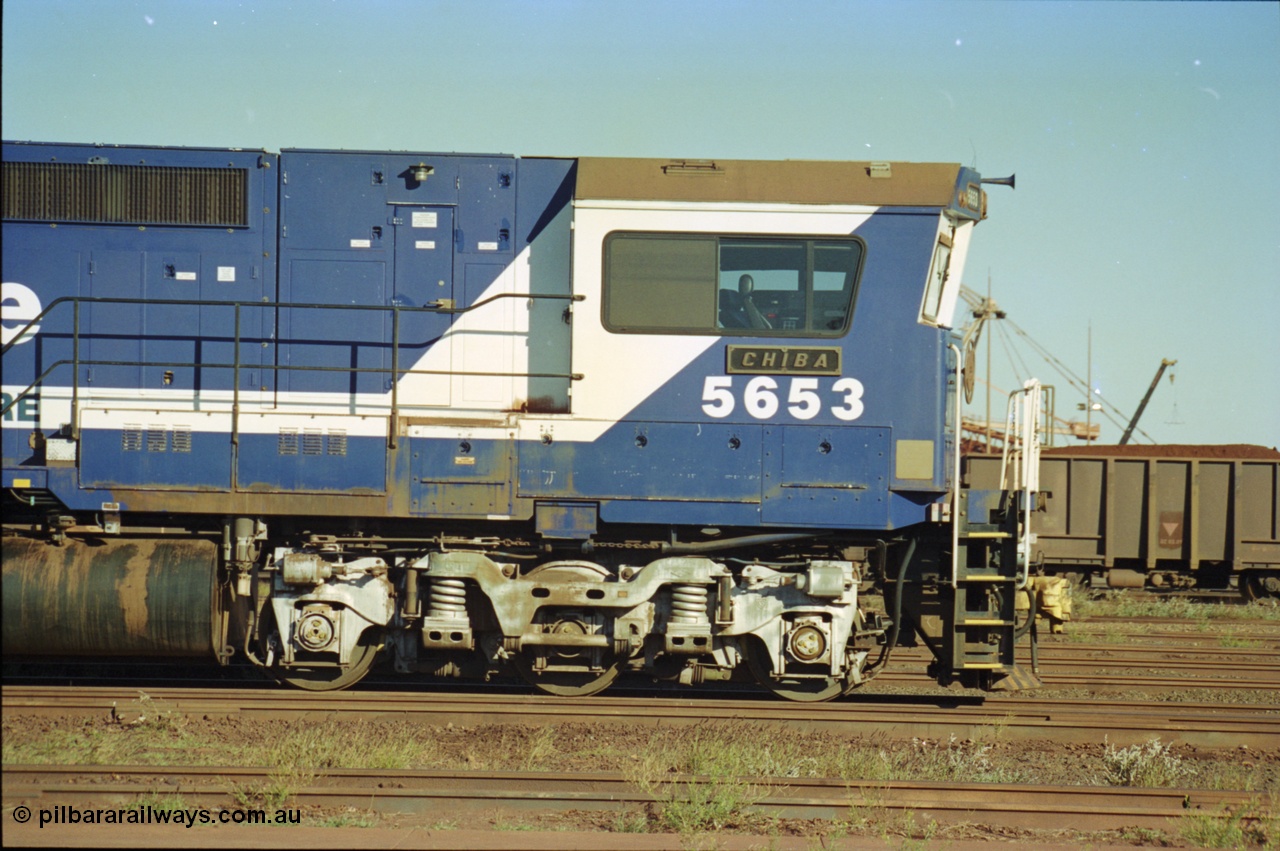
<point x="540" y="405"/>
<point x="109" y="597"/>
<point x="131" y="585"/>
<point x="249" y="503"/>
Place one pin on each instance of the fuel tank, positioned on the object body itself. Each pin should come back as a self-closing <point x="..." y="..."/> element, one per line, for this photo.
<point x="110" y="598"/>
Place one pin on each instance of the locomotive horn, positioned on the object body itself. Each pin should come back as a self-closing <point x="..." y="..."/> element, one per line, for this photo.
<point x="1001" y="181"/>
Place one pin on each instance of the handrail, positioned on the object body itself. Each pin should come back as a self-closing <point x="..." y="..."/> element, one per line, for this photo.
<point x="435" y="307"/>
<point x="235" y="386"/>
<point x="572" y="376"/>
<point x="395" y="371"/>
<point x="955" y="480"/>
<point x="395" y="383"/>
<point x="1023" y="419"/>
<point x="75" y="374"/>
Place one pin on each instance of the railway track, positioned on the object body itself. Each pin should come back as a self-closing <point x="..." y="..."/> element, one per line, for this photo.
<point x="1152" y="661"/>
<point x="1127" y="722"/>
<point x="477" y="798"/>
<point x="455" y="794"/>
<point x="1176" y="662"/>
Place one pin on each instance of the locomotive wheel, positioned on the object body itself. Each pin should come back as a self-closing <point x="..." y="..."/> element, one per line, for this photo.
<point x="1259" y="585"/>
<point x="802" y="690"/>
<point x="567" y="683"/>
<point x="331" y="679"/>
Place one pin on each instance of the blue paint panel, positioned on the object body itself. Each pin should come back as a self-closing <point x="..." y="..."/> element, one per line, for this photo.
<point x="423" y="275"/>
<point x="677" y="513"/>
<point x="46" y="272"/>
<point x="341" y="209"/>
<point x="128" y="261"/>
<point x="17" y="447"/>
<point x="116" y="331"/>
<point x="171" y="276"/>
<point x="461" y="478"/>
<point x="321" y="340"/>
<point x="336" y="247"/>
<point x="63" y="482"/>
<point x="242" y="277"/>
<point x="329" y="199"/>
<point x="155" y="458"/>
<point x="463" y="460"/>
<point x="35" y="478"/>
<point x="663" y="461"/>
<point x="487" y="208"/>
<point x="475" y="501"/>
<point x="574" y="521"/>
<point x="833" y="477"/>
<point x="850" y="457"/>
<point x="297" y="463"/>
<point x="904" y="361"/>
<point x="49" y="273"/>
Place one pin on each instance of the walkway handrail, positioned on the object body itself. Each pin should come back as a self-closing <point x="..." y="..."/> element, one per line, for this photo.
<point x="443" y="307"/>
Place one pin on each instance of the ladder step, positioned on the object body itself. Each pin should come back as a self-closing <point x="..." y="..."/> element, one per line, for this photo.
<point x="991" y="535"/>
<point x="985" y="622"/>
<point x="983" y="577"/>
<point x="983" y="666"/>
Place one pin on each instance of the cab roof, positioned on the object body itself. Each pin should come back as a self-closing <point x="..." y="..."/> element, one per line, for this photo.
<point x="763" y="181"/>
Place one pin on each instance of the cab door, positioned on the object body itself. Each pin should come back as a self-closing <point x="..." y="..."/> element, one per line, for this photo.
<point x="423" y="277"/>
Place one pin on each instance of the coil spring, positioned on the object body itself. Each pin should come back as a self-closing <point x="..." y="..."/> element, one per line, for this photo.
<point x="689" y="604"/>
<point x="448" y="599"/>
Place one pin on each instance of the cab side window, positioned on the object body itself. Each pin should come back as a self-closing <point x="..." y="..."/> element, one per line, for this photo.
<point x="751" y="286"/>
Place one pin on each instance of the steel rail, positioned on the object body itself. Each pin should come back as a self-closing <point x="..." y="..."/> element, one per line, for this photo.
<point x="1098" y="675"/>
<point x="427" y="792"/>
<point x="1186" y="621"/>
<point x="1251" y="632"/>
<point x="1205" y="667"/>
<point x="1123" y="722"/>
<point x="1262" y="657"/>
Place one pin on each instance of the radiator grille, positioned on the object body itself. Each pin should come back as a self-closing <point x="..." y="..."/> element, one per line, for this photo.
<point x="312" y="441"/>
<point x="126" y="194"/>
<point x="131" y="438"/>
<point x="287" y="443"/>
<point x="337" y="441"/>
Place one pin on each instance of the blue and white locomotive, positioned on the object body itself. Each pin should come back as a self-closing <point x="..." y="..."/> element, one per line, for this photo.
<point x="477" y="414"/>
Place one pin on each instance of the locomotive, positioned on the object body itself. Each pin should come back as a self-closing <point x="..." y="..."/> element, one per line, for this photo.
<point x="566" y="418"/>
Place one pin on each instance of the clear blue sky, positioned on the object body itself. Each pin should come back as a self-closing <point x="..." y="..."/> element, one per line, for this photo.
<point x="1145" y="135"/>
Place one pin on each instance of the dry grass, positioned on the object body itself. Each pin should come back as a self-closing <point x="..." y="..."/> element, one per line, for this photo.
<point x="1132" y="604"/>
<point x="733" y="757"/>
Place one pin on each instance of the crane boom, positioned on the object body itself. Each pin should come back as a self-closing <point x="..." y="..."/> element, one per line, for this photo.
<point x="1165" y="363"/>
